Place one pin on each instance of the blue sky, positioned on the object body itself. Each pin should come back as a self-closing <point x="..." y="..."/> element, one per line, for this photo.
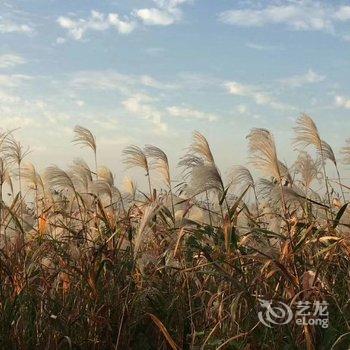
<point x="152" y="71"/>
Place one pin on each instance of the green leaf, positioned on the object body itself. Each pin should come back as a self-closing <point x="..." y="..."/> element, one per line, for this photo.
<point x="223" y="196"/>
<point x="339" y="215"/>
<point x="235" y="205"/>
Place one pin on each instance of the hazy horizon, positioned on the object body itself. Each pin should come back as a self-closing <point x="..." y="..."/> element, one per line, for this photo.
<point x="140" y="72"/>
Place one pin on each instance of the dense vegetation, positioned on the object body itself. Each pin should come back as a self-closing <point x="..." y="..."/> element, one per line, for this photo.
<point x="85" y="265"/>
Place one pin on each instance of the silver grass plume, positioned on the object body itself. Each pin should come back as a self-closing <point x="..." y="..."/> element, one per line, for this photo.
<point x="200" y="147"/>
<point x="188" y="162"/>
<point x="4" y="178"/>
<point x="308" y="168"/>
<point x="205" y="178"/>
<point x="102" y="187"/>
<point x="198" y="154"/>
<point x="81" y="174"/>
<point x="144" y="227"/>
<point x="242" y="177"/>
<point x="270" y="190"/>
<point x="130" y="187"/>
<point x="14" y="151"/>
<point x="59" y="179"/>
<point x="307" y="134"/>
<point x="134" y="156"/>
<point x="85" y="138"/>
<point x="4" y="135"/>
<point x="105" y="184"/>
<point x="346" y="152"/>
<point x="5" y="173"/>
<point x="160" y="162"/>
<point x="106" y="175"/>
<point x="329" y="154"/>
<point x="198" y="164"/>
<point x="32" y="177"/>
<point x="263" y="153"/>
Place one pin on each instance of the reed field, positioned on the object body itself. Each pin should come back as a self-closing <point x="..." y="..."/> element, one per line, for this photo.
<point x="85" y="264"/>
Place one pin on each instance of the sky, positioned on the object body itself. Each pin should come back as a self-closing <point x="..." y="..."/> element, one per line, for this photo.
<point x="153" y="71"/>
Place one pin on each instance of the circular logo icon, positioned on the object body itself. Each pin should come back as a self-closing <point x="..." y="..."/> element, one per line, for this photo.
<point x="274" y="314"/>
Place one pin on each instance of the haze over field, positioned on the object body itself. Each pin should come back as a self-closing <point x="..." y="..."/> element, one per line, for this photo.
<point x="153" y="71"/>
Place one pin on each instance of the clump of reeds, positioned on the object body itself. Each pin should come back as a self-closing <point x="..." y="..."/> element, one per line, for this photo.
<point x="87" y="265"/>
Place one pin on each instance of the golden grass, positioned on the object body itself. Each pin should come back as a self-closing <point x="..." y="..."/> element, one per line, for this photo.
<point x="87" y="265"/>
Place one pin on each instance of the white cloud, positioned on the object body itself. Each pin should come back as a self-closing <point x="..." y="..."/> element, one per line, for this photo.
<point x="97" y="21"/>
<point x="166" y="13"/>
<point x="310" y="77"/>
<point x="60" y="40"/>
<point x="111" y="80"/>
<point x="260" y="97"/>
<point x="13" y="80"/>
<point x="118" y="141"/>
<point x="189" y="113"/>
<point x="261" y="47"/>
<point x="343" y="13"/>
<point x="9" y="122"/>
<point x="141" y="105"/>
<point x="123" y="27"/>
<point x="100" y="80"/>
<point x="11" y="60"/>
<point x="107" y="123"/>
<point x="154" y="16"/>
<point x="343" y="102"/>
<point x="149" y="81"/>
<point x="301" y="15"/>
<point x="8" y="26"/>
<point x="242" y="109"/>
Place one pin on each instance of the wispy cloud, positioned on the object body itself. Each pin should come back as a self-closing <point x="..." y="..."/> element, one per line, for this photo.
<point x="107" y="123"/>
<point x="165" y="13"/>
<point x="190" y="114"/>
<point x="8" y="26"/>
<point x="342" y="101"/>
<point x="142" y="105"/>
<point x="259" y="96"/>
<point x="112" y="80"/>
<point x="97" y="21"/>
<point x="262" y="47"/>
<point x="154" y="16"/>
<point x="13" y="80"/>
<point x="301" y="15"/>
<point x="310" y="77"/>
<point x="11" y="60"/>
<point x="149" y="81"/>
<point x="100" y="80"/>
